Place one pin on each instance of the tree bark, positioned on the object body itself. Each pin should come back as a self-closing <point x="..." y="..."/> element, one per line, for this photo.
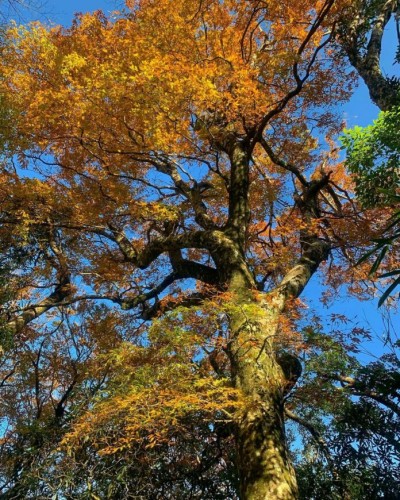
<point x="263" y="461"/>
<point x="365" y="56"/>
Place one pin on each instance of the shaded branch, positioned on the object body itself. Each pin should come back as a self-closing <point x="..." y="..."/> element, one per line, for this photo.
<point x="359" y="388"/>
<point x="3" y="383"/>
<point x="185" y="269"/>
<point x="59" y="408"/>
<point x="194" y="299"/>
<point x="61" y="292"/>
<point x="317" y="436"/>
<point x="190" y="269"/>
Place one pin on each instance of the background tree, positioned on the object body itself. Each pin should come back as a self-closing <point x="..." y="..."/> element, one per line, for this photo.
<point x="349" y="457"/>
<point x="343" y="455"/>
<point x="373" y="157"/>
<point x="360" y="33"/>
<point x="373" y="152"/>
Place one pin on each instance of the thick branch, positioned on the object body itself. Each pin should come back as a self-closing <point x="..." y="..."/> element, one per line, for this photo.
<point x="194" y="299"/>
<point x="144" y="257"/>
<point x="195" y="239"/>
<point x="60" y="293"/>
<point x="185" y="269"/>
<point x="3" y="383"/>
<point x="190" y="269"/>
<point x="59" y="408"/>
<point x="182" y="269"/>
<point x="383" y="91"/>
<point x="315" y="250"/>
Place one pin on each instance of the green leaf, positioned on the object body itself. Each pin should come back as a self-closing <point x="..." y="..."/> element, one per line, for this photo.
<point x="389" y="291"/>
<point x="379" y="259"/>
<point x="366" y="256"/>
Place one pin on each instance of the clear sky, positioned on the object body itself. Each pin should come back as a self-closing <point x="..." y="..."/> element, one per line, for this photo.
<point x="60" y="11"/>
<point x="358" y="111"/>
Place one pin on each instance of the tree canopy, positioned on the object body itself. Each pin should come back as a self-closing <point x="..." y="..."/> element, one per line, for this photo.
<point x="170" y="185"/>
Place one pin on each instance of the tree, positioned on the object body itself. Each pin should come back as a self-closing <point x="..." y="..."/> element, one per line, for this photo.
<point x="360" y="33"/>
<point x="343" y="455"/>
<point x="373" y="158"/>
<point x="180" y="187"/>
<point x="372" y="152"/>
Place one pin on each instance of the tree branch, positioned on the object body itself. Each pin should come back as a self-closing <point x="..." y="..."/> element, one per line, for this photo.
<point x="383" y="91"/>
<point x="61" y="292"/>
<point x="314" y="249"/>
<point x="312" y="430"/>
<point x="359" y="388"/>
<point x="194" y="299"/>
<point x="257" y="133"/>
<point x="190" y="269"/>
<point x="287" y="166"/>
<point x="193" y="194"/>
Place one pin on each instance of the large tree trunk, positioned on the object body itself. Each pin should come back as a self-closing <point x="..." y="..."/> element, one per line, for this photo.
<point x="264" y="466"/>
<point x="263" y="461"/>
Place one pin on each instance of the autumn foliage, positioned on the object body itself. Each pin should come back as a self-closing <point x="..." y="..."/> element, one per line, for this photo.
<point x="171" y="183"/>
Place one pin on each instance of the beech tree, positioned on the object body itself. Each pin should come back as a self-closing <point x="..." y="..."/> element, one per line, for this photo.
<point x="186" y="188"/>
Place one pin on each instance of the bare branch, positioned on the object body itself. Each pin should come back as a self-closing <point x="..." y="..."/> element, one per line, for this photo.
<point x="312" y="430"/>
<point x="278" y="161"/>
<point x="256" y="135"/>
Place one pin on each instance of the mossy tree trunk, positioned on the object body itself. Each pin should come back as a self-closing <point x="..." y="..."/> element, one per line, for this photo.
<point x="263" y="460"/>
<point x="265" y="470"/>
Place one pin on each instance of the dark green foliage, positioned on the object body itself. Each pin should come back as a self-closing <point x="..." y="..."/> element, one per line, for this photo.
<point x="364" y="456"/>
<point x="353" y="451"/>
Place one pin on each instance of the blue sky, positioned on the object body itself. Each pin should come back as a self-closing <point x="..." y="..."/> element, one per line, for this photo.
<point x="62" y="11"/>
<point x="358" y="111"/>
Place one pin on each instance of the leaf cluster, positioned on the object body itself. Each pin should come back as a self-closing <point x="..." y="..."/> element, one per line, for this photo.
<point x="373" y="156"/>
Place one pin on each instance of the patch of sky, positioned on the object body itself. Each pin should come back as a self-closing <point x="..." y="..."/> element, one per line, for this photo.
<point x="55" y="12"/>
<point x="361" y="314"/>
